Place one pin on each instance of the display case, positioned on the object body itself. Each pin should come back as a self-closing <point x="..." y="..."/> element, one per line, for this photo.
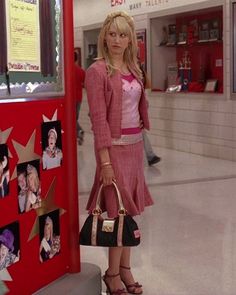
<point x="187" y="51"/>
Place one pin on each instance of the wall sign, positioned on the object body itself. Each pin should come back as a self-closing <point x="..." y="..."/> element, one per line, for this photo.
<point x="138" y="4"/>
<point x="23" y="50"/>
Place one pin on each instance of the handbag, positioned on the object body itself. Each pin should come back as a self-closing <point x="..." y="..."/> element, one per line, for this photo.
<point x="109" y="232"/>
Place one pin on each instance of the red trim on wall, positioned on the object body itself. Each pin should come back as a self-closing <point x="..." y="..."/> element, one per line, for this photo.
<point x="71" y="147"/>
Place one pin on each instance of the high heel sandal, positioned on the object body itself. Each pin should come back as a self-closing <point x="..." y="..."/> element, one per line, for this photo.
<point x="131" y="288"/>
<point x="109" y="291"/>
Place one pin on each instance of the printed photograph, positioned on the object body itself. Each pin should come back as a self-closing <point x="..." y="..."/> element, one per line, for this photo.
<point x="49" y="232"/>
<point x="51" y="145"/>
<point x="29" y="186"/>
<point x="9" y="245"/>
<point x="4" y="171"/>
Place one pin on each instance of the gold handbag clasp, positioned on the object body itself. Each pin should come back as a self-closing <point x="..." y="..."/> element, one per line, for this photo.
<point x="108" y="225"/>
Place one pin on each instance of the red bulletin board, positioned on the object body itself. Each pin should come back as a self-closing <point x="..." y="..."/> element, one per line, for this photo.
<point x="20" y="130"/>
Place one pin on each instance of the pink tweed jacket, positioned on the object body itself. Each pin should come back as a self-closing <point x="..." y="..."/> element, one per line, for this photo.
<point x="105" y="98"/>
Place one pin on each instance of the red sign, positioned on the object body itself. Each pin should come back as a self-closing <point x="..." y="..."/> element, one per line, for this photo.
<point x="117" y="2"/>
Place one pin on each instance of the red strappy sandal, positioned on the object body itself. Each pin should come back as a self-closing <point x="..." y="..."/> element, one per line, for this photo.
<point x="131" y="288"/>
<point x="109" y="291"/>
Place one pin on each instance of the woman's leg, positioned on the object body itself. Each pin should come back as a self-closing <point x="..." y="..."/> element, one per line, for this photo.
<point x="114" y="259"/>
<point x="126" y="274"/>
<point x="112" y="277"/>
<point x="151" y="157"/>
<point x="147" y="147"/>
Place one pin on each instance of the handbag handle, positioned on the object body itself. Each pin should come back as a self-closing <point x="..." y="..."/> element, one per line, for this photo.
<point x="98" y="210"/>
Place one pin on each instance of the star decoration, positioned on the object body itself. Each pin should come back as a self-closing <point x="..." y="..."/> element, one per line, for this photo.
<point x="54" y="117"/>
<point x="25" y="153"/>
<point x="4" y="137"/>
<point x="3" y="288"/>
<point x="48" y="205"/>
<point x="5" y="276"/>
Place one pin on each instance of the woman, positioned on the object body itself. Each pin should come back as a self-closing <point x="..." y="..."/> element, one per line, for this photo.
<point x="7" y="257"/>
<point x="50" y="245"/>
<point x="33" y="198"/>
<point x="4" y="177"/>
<point x="52" y="155"/>
<point x="118" y="112"/>
<point x="23" y="190"/>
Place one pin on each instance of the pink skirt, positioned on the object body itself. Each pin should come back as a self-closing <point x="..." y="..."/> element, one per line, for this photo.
<point x="128" y="165"/>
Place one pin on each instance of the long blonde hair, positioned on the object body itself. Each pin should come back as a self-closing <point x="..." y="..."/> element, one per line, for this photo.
<point x="124" y="24"/>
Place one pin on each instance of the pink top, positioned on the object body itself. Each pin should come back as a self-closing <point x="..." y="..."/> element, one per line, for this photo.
<point x="130" y="102"/>
<point x="130" y="130"/>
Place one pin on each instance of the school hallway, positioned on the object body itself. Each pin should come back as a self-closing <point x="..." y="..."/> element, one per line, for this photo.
<point x="188" y="244"/>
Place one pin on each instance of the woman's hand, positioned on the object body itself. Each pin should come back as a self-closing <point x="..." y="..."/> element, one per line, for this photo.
<point x="107" y="175"/>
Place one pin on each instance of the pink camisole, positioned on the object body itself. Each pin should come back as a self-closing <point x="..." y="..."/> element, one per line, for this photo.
<point x="130" y="130"/>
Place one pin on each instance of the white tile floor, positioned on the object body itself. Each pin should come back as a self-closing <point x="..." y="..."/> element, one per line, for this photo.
<point x="189" y="236"/>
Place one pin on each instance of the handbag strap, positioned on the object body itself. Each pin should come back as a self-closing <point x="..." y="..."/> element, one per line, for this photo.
<point x="120" y="202"/>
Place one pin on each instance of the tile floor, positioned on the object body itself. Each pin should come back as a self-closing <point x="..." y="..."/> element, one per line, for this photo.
<point x="189" y="236"/>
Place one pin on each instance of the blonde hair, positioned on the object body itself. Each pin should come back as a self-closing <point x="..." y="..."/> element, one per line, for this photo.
<point x="49" y="222"/>
<point x="124" y="24"/>
<point x="31" y="170"/>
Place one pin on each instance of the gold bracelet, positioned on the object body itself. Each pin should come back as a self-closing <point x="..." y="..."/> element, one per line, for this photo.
<point x="105" y="164"/>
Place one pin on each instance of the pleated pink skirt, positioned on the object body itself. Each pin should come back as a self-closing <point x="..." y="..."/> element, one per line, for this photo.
<point x="128" y="165"/>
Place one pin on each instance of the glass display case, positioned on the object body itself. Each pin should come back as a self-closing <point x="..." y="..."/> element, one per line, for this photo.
<point x="187" y="51"/>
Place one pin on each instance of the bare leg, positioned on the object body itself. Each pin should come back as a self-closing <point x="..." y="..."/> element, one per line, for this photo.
<point x="114" y="282"/>
<point x="125" y="272"/>
<point x="114" y="259"/>
<point x="125" y="257"/>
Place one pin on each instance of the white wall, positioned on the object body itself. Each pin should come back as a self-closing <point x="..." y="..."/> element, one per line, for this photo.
<point x="160" y="56"/>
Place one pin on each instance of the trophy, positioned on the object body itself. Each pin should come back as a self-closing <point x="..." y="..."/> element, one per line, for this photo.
<point x="172" y="74"/>
<point x="171" y="35"/>
<point x="204" y="32"/>
<point x="164" y="36"/>
<point x="185" y="71"/>
<point x="182" y="37"/>
<point x="193" y="31"/>
<point x="214" y="33"/>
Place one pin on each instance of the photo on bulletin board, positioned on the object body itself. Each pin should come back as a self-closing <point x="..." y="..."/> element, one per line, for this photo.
<point x="49" y="233"/>
<point x="29" y="186"/>
<point x="142" y="49"/>
<point x="9" y="245"/>
<point x="4" y="171"/>
<point x="51" y="145"/>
